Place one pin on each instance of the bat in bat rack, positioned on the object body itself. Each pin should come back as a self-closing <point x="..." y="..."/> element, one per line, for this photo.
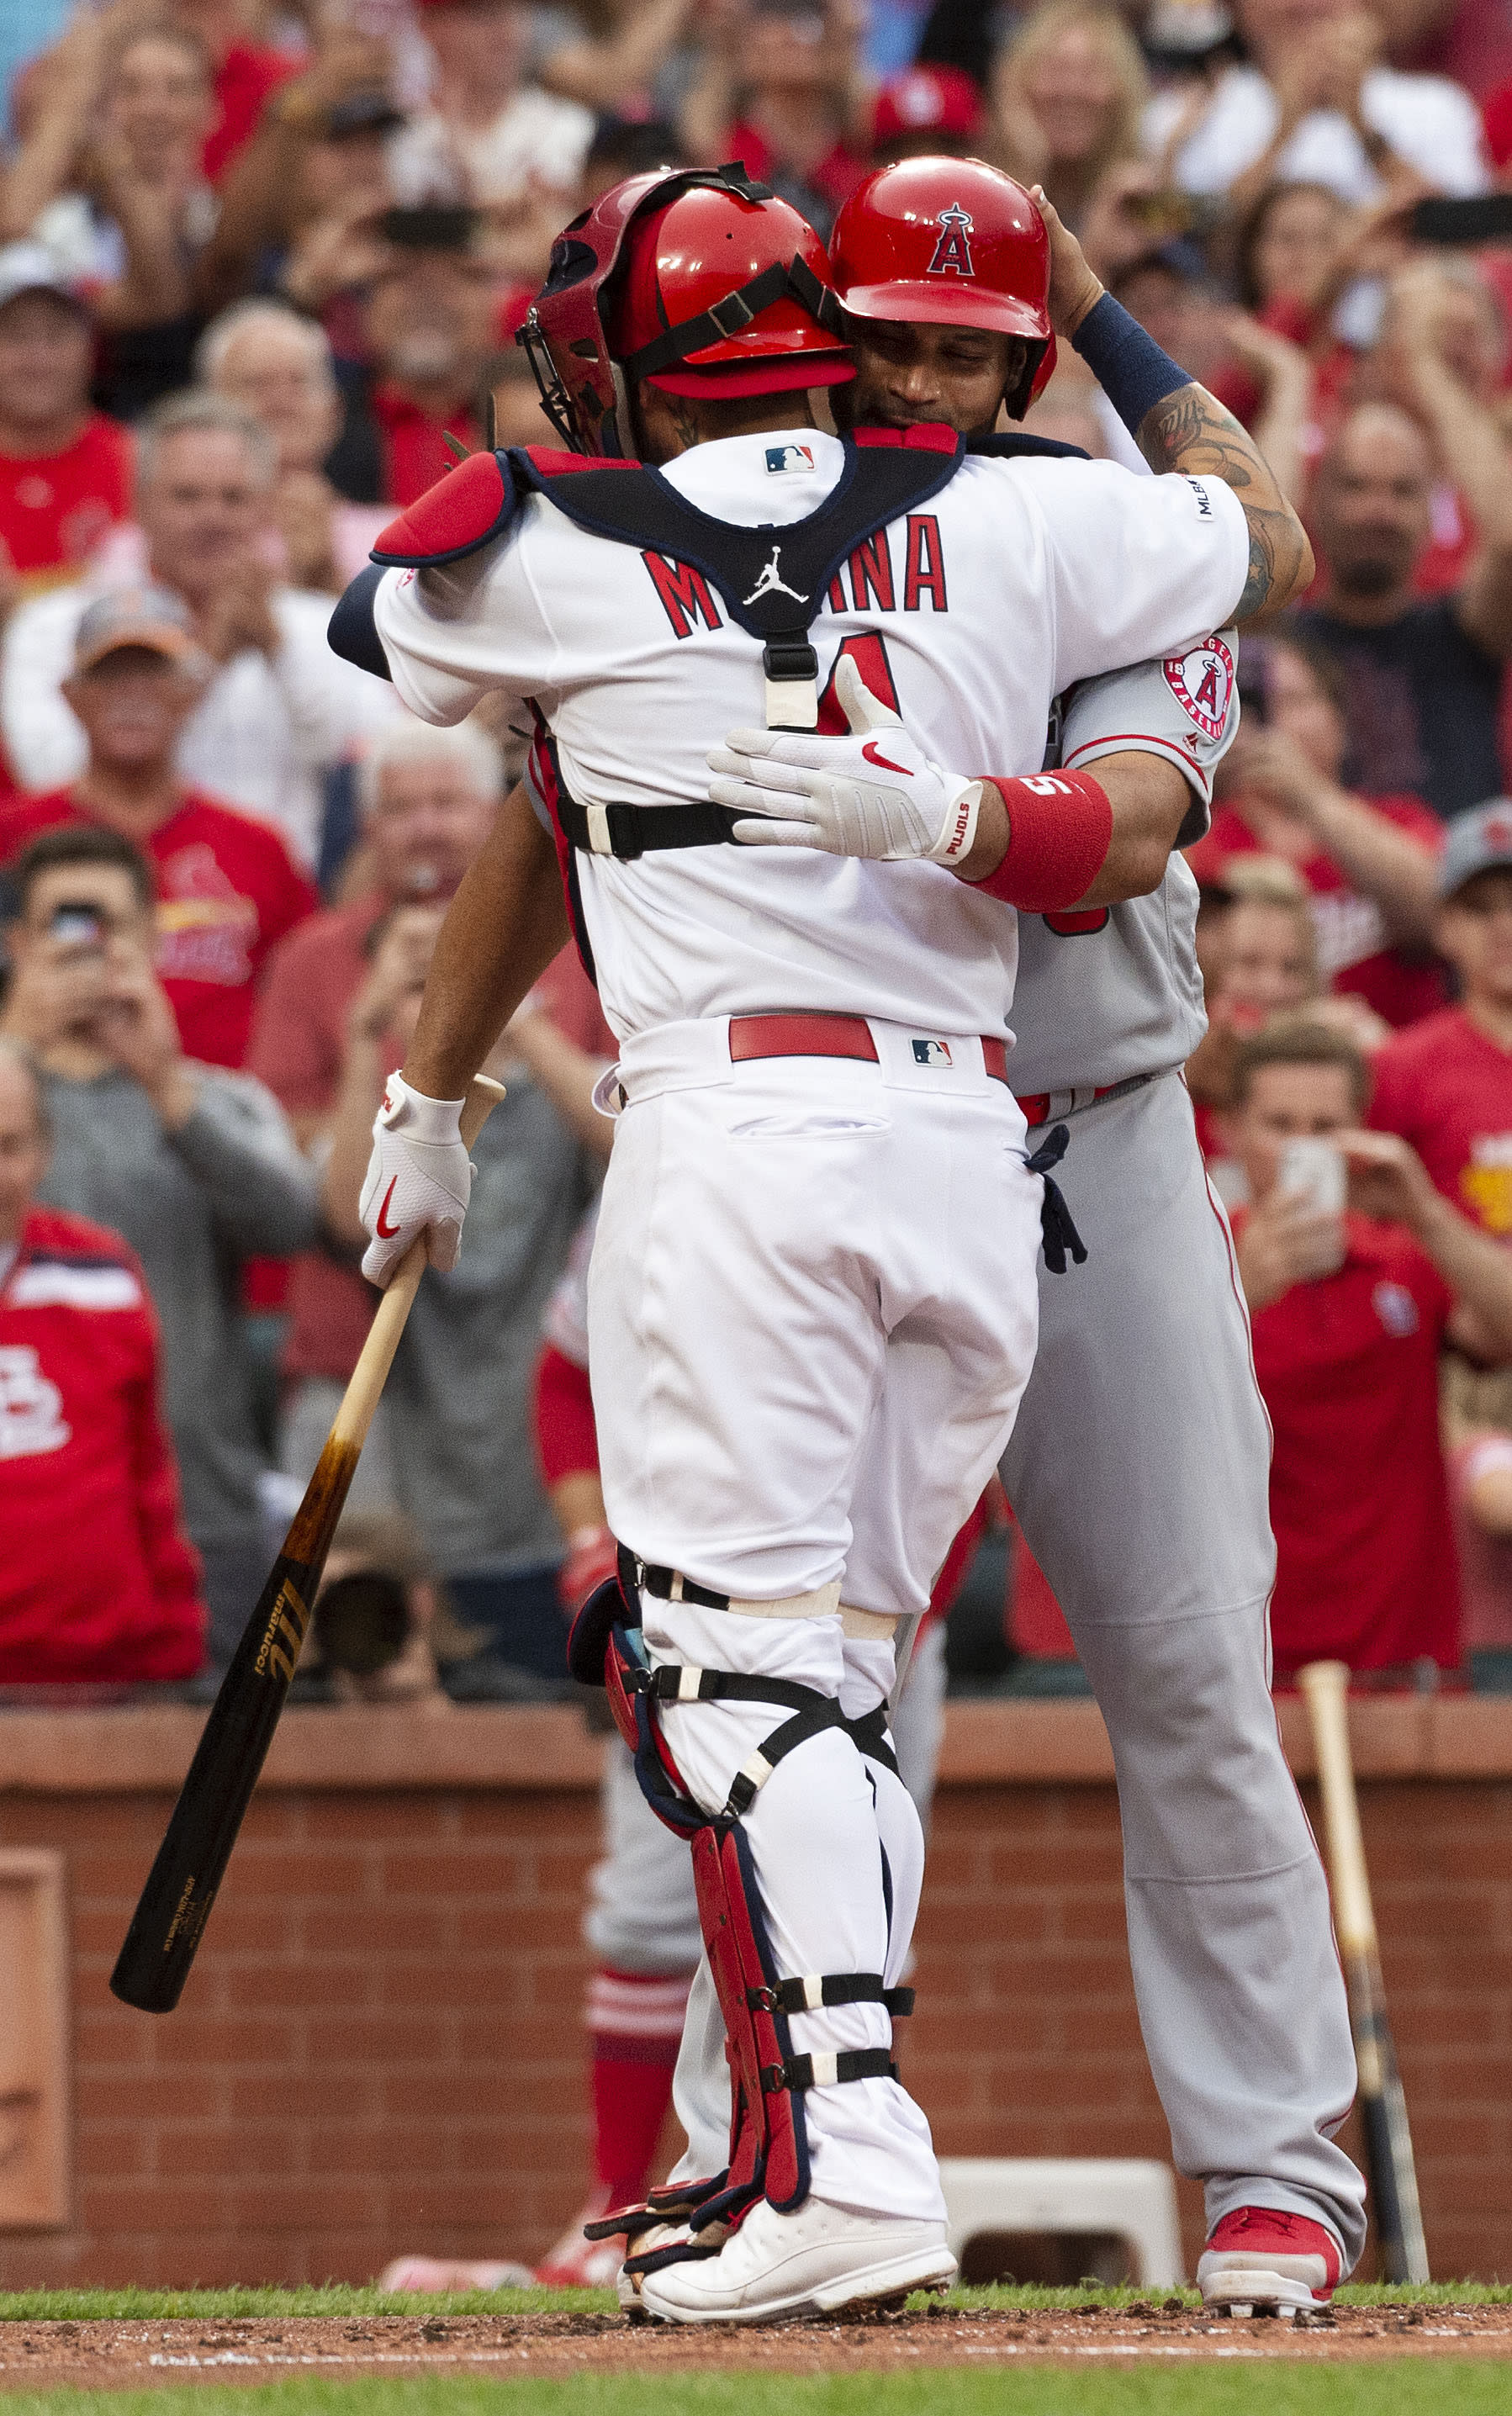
<point x="1388" y="2139"/>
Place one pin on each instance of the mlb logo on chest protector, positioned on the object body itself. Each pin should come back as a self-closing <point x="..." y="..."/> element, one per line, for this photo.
<point x="932" y="1053"/>
<point x="789" y="457"/>
<point x="1201" y="683"/>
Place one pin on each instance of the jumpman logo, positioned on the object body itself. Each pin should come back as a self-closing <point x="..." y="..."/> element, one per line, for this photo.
<point x="770" y="583"/>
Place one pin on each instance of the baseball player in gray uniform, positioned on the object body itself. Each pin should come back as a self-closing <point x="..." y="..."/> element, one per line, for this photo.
<point x="1139" y="1468"/>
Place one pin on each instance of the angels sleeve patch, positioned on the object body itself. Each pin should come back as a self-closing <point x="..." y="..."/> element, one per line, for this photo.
<point x="1202" y="682"/>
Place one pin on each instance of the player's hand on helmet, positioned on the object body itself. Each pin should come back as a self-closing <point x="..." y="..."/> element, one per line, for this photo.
<point x="418" y="1181"/>
<point x="874" y="793"/>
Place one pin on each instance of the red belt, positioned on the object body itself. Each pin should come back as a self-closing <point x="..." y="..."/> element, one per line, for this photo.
<point x="829" y="1035"/>
<point x="1039" y="1106"/>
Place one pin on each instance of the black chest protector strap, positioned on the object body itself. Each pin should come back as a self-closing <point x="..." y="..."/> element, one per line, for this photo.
<point x="774" y="581"/>
<point x="774" y="578"/>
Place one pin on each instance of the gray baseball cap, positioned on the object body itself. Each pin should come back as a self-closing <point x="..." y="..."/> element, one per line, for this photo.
<point x="1479" y="841"/>
<point x="28" y="267"/>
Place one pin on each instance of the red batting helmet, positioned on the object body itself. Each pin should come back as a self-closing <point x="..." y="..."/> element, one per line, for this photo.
<point x="697" y="279"/>
<point x="955" y="243"/>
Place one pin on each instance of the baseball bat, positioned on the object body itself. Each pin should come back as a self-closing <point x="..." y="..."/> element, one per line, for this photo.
<point x="174" y="1905"/>
<point x="1388" y="2139"/>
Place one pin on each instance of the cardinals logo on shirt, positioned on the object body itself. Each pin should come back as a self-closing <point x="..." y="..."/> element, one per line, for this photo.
<point x="31" y="1405"/>
<point x="1396" y="1310"/>
<point x="1201" y="683"/>
<point x="952" y="252"/>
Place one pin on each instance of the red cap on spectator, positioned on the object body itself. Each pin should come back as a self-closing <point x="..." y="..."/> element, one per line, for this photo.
<point x="927" y="100"/>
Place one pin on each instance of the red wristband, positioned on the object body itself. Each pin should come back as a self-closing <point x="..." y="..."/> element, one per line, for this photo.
<point x="1060" y="829"/>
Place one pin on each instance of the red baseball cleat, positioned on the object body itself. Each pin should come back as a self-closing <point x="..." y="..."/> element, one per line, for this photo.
<point x="1261" y="2257"/>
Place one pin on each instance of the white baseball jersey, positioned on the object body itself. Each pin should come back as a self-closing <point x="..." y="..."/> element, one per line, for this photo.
<point x="1018" y="579"/>
<point x="1116" y="991"/>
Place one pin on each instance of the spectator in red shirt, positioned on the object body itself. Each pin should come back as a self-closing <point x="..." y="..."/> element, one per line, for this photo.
<point x="1370" y="862"/>
<point x="429" y="798"/>
<point x="97" y="1581"/>
<point x="245" y="74"/>
<point x="780" y="91"/>
<point x="1349" y="1304"/>
<point x="1446" y="1085"/>
<point x="65" y="470"/>
<point x="227" y="887"/>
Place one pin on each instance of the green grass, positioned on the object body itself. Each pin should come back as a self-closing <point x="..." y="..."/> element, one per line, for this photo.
<point x="347" y="2298"/>
<point x="1450" y="2387"/>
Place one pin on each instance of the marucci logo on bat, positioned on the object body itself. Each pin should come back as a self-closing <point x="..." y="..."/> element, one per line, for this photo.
<point x="272" y="1653"/>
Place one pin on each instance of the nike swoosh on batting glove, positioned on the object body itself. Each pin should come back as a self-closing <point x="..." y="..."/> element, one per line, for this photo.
<point x="874" y="793"/>
<point x="420" y="1179"/>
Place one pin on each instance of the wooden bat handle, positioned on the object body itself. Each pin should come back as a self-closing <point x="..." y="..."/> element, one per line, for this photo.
<point x="369" y="1377"/>
<point x="1325" y="1685"/>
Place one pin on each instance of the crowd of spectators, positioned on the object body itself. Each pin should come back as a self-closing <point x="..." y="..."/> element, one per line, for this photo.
<point x="261" y="266"/>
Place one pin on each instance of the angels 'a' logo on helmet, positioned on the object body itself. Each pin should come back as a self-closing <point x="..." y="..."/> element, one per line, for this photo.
<point x="952" y="252"/>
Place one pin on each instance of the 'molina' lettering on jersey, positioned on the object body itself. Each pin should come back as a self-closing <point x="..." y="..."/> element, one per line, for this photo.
<point x="686" y="598"/>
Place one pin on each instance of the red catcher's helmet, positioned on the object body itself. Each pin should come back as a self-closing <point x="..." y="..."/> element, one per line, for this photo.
<point x="953" y="242"/>
<point x="697" y="279"/>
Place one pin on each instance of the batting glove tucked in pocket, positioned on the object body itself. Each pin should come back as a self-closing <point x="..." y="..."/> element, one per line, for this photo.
<point x="875" y="794"/>
<point x="420" y="1179"/>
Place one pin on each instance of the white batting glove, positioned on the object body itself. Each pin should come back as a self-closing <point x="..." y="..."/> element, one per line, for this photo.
<point x="420" y="1179"/>
<point x="875" y="794"/>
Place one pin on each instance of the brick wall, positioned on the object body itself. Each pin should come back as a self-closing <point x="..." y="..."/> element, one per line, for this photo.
<point x="379" y="2049"/>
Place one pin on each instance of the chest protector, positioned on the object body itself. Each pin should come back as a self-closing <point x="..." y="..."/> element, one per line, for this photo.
<point x="774" y="581"/>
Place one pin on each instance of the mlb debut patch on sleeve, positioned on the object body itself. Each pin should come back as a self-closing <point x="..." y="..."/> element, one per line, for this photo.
<point x="1202" y="682"/>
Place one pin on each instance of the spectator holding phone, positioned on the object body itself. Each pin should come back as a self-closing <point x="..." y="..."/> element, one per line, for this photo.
<point x="1446" y="1085"/>
<point x="192" y="1164"/>
<point x="98" y="1584"/>
<point x="1356" y="1270"/>
<point x="227" y="887"/>
<point x="1370" y="863"/>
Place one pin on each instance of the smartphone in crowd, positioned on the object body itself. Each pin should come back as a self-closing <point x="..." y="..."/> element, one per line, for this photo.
<point x="1314" y="1171"/>
<point x="76" y="923"/>
<point x="1475" y="218"/>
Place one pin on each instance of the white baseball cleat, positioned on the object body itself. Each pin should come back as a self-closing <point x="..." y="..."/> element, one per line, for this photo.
<point x="808" y="2263"/>
<point x="1261" y="2257"/>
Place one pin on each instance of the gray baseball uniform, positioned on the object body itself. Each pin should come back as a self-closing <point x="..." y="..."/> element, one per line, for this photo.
<point x="1138" y="1471"/>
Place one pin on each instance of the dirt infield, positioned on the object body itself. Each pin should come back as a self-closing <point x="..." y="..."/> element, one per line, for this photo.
<point x="263" y="2349"/>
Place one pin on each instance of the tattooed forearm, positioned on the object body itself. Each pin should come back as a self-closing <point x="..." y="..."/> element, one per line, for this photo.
<point x="1190" y="432"/>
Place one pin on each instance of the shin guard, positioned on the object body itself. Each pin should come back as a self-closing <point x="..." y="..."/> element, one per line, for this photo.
<point x="768" y="2138"/>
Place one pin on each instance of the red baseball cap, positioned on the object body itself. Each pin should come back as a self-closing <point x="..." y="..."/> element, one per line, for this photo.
<point x="927" y="100"/>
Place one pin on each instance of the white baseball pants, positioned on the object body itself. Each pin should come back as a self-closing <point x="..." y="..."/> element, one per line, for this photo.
<point x="812" y="1309"/>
